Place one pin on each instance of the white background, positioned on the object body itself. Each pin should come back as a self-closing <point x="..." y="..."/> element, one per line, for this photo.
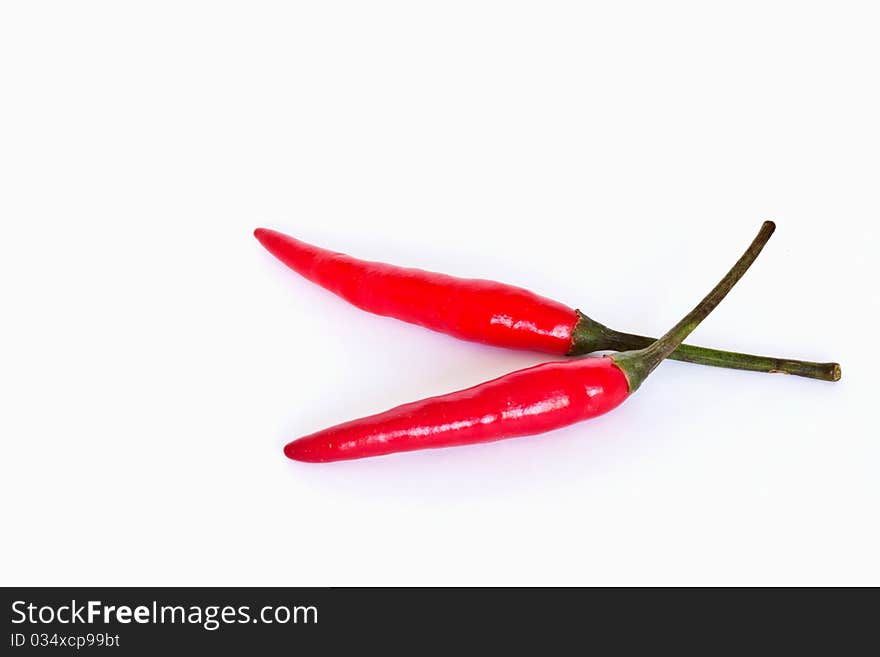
<point x="155" y="358"/>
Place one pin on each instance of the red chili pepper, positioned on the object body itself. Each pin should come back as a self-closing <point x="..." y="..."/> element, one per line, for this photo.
<point x="490" y="312"/>
<point x="521" y="403"/>
<point x="470" y="309"/>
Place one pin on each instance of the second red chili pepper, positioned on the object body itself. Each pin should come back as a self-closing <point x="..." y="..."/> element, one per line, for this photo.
<point x="522" y="403"/>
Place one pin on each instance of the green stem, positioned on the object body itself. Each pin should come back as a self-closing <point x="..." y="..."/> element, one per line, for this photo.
<point x="734" y="360"/>
<point x="638" y="364"/>
<point x="589" y="336"/>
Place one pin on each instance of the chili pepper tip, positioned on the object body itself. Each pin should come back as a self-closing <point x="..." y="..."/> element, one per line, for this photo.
<point x="299" y="451"/>
<point x="269" y="239"/>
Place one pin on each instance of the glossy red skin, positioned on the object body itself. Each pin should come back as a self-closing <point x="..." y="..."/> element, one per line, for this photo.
<point x="522" y="403"/>
<point x="467" y="308"/>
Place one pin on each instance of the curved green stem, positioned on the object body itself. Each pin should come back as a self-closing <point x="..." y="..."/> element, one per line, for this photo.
<point x="638" y="364"/>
